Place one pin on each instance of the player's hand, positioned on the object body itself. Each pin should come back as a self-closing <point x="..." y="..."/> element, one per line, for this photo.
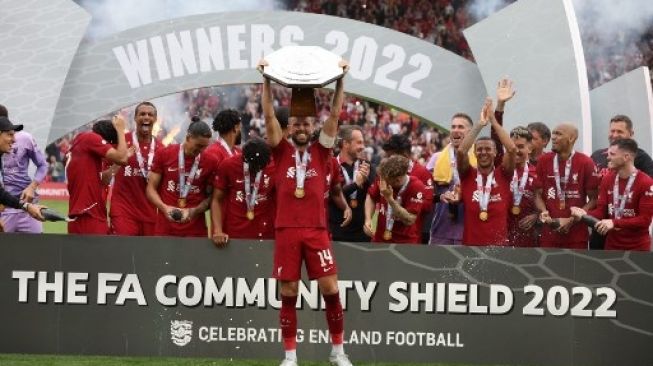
<point x="119" y="123"/>
<point x="528" y="221"/>
<point x="344" y="64"/>
<point x="27" y="195"/>
<point x="577" y="212"/>
<point x="170" y="213"/>
<point x="347" y="216"/>
<point x="261" y="64"/>
<point x="220" y="239"/>
<point x="367" y="228"/>
<point x="505" y="92"/>
<point x="130" y="152"/>
<point x="487" y="112"/>
<point x="187" y="214"/>
<point x="363" y="173"/>
<point x="603" y="226"/>
<point x="565" y="224"/>
<point x="385" y="189"/>
<point x="34" y="210"/>
<point x="449" y="197"/>
<point x="545" y="217"/>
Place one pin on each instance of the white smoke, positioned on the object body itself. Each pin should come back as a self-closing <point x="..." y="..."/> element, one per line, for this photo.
<point x="111" y="16"/>
<point x="481" y="9"/>
<point x="611" y="32"/>
<point x="607" y="17"/>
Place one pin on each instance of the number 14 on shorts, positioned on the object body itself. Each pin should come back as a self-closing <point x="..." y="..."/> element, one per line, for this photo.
<point x="326" y="259"/>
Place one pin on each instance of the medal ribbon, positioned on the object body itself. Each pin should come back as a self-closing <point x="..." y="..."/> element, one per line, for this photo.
<point x="518" y="186"/>
<point x="556" y="175"/>
<point x="225" y="145"/>
<point x="139" y="157"/>
<point x="389" y="219"/>
<point x="484" y="200"/>
<point x="454" y="166"/>
<point x="251" y="194"/>
<point x="348" y="179"/>
<point x="619" y="202"/>
<point x="300" y="168"/>
<point x="184" y="186"/>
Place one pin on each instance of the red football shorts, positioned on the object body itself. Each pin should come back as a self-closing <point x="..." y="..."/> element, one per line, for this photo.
<point x="89" y="225"/>
<point x="311" y="245"/>
<point x="123" y="225"/>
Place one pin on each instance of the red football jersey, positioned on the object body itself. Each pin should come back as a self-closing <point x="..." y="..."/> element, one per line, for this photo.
<point x="583" y="177"/>
<point x="166" y="163"/>
<point x="230" y="180"/>
<point x="631" y="231"/>
<point x="516" y="236"/>
<point x="219" y="152"/>
<point x="419" y="171"/>
<point x="308" y="211"/>
<point x="128" y="195"/>
<point x="83" y="172"/>
<point x="412" y="200"/>
<point x="493" y="231"/>
<point x="333" y="178"/>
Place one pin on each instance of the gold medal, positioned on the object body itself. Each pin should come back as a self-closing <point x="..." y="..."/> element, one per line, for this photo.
<point x="181" y="202"/>
<point x="483" y="216"/>
<point x="516" y="210"/>
<point x="387" y="235"/>
<point x="250" y="215"/>
<point x="562" y="205"/>
<point x="2" y="208"/>
<point x="353" y="203"/>
<point x="299" y="192"/>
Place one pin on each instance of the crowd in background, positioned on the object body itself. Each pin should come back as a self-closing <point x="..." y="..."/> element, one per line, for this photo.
<point x="440" y="22"/>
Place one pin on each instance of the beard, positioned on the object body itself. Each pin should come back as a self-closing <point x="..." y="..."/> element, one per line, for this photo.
<point x="298" y="142"/>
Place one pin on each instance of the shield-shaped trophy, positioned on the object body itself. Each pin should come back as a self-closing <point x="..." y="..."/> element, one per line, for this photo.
<point x="303" y="68"/>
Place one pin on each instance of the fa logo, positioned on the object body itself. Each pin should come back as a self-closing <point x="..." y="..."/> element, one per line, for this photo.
<point x="181" y="332"/>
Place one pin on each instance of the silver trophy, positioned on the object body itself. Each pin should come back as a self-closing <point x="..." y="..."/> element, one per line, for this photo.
<point x="303" y="67"/>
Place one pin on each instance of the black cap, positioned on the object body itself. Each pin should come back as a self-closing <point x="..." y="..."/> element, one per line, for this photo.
<point x="398" y="144"/>
<point x="6" y="125"/>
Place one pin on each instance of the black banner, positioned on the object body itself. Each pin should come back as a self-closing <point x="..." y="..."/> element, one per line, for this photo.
<point x="183" y="297"/>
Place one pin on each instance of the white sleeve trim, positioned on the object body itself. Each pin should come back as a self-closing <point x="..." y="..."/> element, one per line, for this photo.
<point x="326" y="140"/>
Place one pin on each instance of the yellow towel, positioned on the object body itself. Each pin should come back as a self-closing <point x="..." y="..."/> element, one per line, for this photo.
<point x="442" y="172"/>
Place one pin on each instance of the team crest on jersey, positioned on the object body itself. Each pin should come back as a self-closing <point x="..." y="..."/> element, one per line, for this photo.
<point x="493" y="198"/>
<point x="649" y="193"/>
<point x="240" y="197"/>
<point x="575" y="177"/>
<point x="290" y="173"/>
<point x="418" y="197"/>
<point x="628" y="212"/>
<point x="551" y="193"/>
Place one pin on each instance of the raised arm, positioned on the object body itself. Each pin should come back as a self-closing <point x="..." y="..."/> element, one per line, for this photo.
<point x="509" y="147"/>
<point x="461" y="154"/>
<point x="118" y="154"/>
<point x="272" y="126"/>
<point x="330" y="127"/>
